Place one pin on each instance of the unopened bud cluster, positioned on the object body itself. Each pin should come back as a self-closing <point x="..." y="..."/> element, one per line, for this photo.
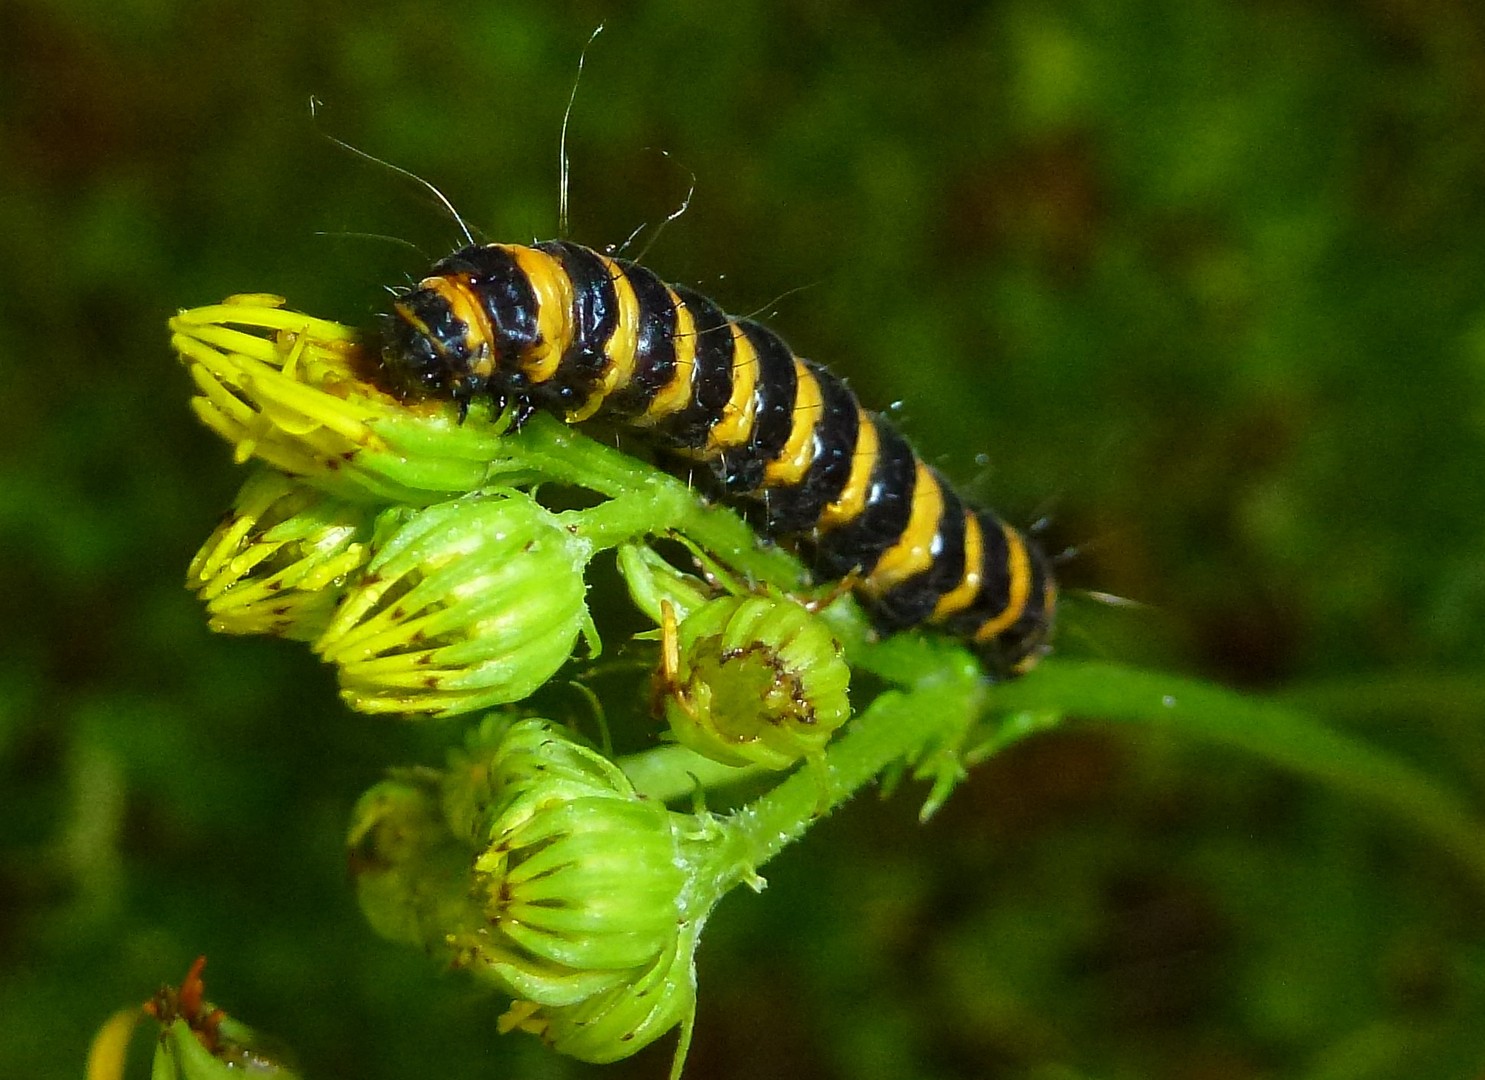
<point x="292" y="391"/>
<point x="359" y="537"/>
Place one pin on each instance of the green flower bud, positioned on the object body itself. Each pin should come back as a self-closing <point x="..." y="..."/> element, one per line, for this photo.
<point x="292" y="391"/>
<point x="532" y="862"/>
<point x="579" y="877"/>
<point x="467" y="604"/>
<point x="752" y="680"/>
<point x="653" y="581"/>
<point x="439" y="857"/>
<point x="578" y="896"/>
<point x="278" y="561"/>
<point x="412" y="874"/>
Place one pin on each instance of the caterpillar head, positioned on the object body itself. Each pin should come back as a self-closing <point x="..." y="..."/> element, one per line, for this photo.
<point x="429" y="350"/>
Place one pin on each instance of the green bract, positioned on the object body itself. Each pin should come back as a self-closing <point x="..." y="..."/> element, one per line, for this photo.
<point x="614" y="1023"/>
<point x="508" y="768"/>
<point x="180" y="1055"/>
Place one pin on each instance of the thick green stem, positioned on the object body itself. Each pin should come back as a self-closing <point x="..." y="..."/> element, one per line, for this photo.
<point x="898" y="726"/>
<point x="902" y="725"/>
<point x="645" y="500"/>
<point x="927" y="721"/>
<point x="566" y="456"/>
<point x="624" y="517"/>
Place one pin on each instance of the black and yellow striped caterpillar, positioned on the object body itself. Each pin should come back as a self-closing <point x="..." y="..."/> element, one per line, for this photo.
<point x="563" y="328"/>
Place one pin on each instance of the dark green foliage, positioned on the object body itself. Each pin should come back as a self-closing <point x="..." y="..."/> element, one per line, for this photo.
<point x="1207" y="278"/>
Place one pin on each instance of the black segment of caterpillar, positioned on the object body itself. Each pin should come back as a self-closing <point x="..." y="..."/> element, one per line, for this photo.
<point x="560" y="327"/>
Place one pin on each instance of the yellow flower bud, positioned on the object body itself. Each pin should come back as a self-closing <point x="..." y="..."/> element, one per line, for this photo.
<point x="277" y="563"/>
<point x="467" y="604"/>
<point x="293" y="391"/>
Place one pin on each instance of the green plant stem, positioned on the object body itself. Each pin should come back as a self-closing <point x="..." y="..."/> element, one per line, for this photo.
<point x="1276" y="733"/>
<point x="897" y="726"/>
<point x="647" y="501"/>
<point x="947" y="699"/>
<point x="942" y="686"/>
<point x="566" y="456"/>
<point x="942" y="695"/>
<point x="623" y="517"/>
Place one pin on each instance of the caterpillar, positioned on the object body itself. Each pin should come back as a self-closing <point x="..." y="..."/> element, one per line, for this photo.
<point x="562" y="328"/>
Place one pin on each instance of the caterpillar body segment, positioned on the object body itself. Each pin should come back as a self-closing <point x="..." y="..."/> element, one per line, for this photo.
<point x="563" y="328"/>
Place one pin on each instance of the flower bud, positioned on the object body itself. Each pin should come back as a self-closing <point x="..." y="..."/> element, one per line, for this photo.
<point x="278" y="561"/>
<point x="580" y="878"/>
<point x="752" y="680"/>
<point x="653" y="581"/>
<point x="411" y="873"/>
<point x="508" y="767"/>
<point x="463" y="605"/>
<point x="584" y="890"/>
<point x="532" y="862"/>
<point x="294" y="392"/>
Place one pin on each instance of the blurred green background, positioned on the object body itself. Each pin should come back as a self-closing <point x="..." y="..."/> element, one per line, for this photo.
<point x="1203" y="281"/>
